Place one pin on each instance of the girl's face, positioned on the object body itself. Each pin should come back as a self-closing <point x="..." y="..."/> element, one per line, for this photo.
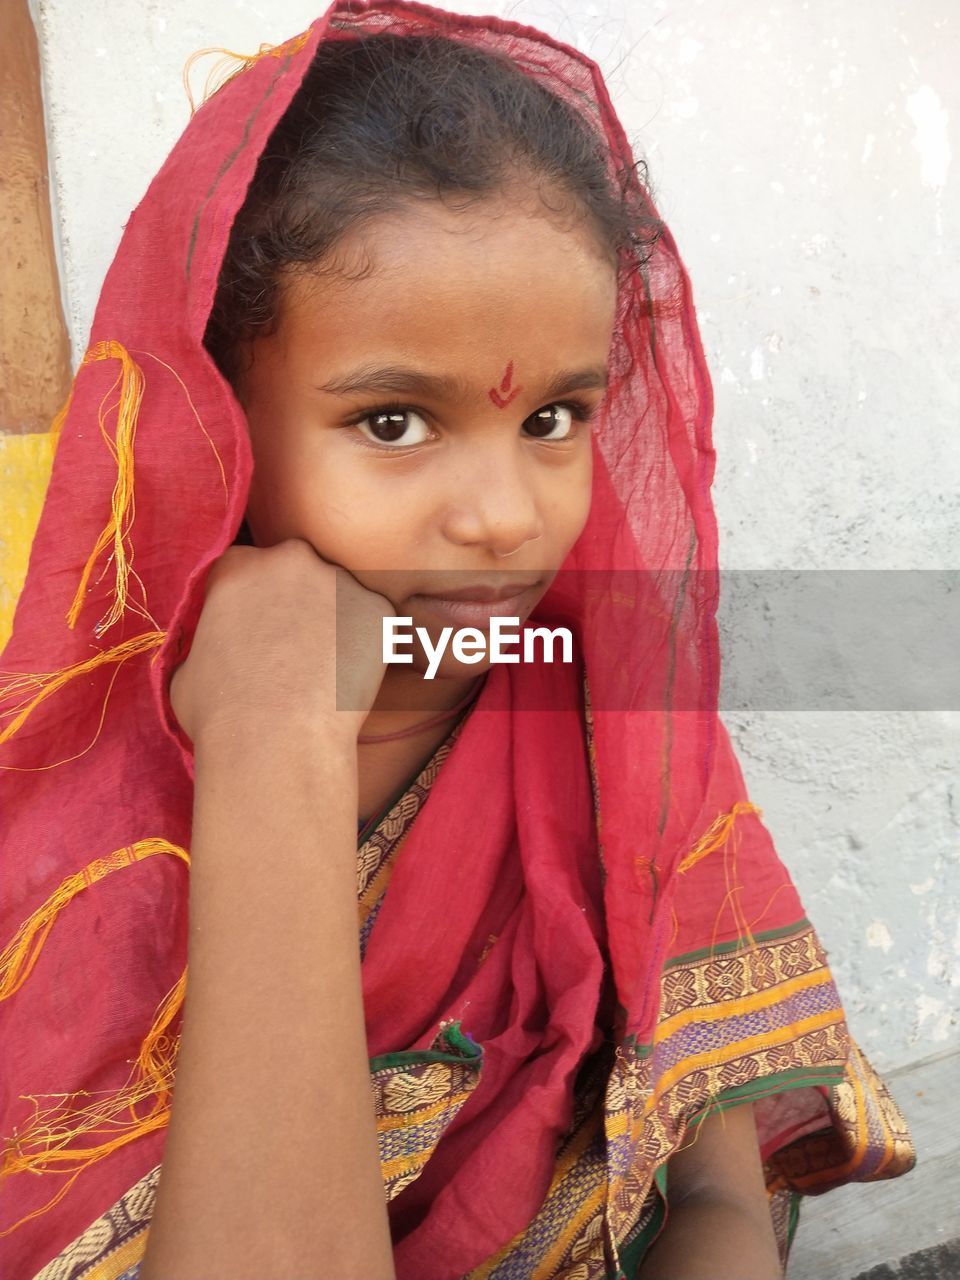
<point x="420" y="415"/>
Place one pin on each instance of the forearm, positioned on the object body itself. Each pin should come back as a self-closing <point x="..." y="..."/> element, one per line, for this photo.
<point x="706" y="1237"/>
<point x="271" y="1163"/>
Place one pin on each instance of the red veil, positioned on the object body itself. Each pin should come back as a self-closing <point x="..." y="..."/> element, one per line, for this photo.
<point x="527" y="876"/>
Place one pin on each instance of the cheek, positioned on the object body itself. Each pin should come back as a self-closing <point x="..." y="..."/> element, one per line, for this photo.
<point x="307" y="488"/>
<point x="283" y="500"/>
<point x="361" y="525"/>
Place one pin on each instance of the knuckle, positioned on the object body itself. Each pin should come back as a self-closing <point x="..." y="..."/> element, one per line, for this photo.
<point x="226" y="565"/>
<point x="295" y="550"/>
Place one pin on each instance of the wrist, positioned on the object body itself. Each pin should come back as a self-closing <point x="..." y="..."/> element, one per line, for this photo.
<point x="293" y="732"/>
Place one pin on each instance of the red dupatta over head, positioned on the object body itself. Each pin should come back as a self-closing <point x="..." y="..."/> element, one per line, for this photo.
<point x="510" y="897"/>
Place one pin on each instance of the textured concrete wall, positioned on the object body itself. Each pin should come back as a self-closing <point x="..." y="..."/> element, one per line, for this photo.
<point x="801" y="153"/>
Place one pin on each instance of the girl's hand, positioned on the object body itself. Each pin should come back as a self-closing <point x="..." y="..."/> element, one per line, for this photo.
<point x="285" y="636"/>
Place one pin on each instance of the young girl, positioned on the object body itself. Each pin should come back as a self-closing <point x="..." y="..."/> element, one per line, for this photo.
<point x="398" y="319"/>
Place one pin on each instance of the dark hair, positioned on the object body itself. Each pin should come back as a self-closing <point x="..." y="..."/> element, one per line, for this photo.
<point x="382" y="120"/>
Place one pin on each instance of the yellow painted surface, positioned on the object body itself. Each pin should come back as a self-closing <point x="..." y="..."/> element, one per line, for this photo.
<point x="25" y="463"/>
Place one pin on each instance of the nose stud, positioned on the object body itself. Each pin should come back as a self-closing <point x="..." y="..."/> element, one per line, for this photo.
<point x="502" y="555"/>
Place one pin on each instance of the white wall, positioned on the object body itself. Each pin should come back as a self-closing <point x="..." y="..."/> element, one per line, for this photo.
<point x="801" y="154"/>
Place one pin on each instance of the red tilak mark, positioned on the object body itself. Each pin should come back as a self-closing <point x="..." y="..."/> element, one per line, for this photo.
<point x="503" y="397"/>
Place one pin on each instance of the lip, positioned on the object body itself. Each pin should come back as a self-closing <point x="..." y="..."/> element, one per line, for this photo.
<point x="471" y="611"/>
<point x="481" y="593"/>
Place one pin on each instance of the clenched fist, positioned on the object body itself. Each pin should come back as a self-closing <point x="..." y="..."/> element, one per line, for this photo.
<point x="283" y="635"/>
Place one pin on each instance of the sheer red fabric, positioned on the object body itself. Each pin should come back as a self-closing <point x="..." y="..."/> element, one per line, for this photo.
<point x="509" y="836"/>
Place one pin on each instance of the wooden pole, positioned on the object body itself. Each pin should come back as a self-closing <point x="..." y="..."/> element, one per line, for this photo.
<point x="34" y="347"/>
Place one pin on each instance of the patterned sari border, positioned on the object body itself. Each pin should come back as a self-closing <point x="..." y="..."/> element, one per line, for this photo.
<point x="114" y="1242"/>
<point x="737" y="944"/>
<point x="767" y="1086"/>
<point x="119" y="1263"/>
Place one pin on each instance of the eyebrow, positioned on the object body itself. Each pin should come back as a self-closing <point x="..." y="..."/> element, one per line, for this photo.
<point x="399" y="379"/>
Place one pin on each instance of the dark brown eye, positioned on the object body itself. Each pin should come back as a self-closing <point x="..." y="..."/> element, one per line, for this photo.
<point x="553" y="418"/>
<point x="393" y="426"/>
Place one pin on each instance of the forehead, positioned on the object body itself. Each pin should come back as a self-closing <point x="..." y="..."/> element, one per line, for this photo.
<point x="481" y="285"/>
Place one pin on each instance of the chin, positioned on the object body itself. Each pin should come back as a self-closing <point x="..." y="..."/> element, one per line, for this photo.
<point x="448" y="667"/>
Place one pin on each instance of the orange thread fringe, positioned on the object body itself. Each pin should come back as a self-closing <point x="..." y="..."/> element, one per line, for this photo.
<point x="715" y="839"/>
<point x="43" y="1146"/>
<point x="56" y="764"/>
<point x="722" y="836"/>
<point x="223" y="72"/>
<point x="43" y="684"/>
<point x="129" y="388"/>
<point x="56" y="426"/>
<point x="717" y="834"/>
<point x="193" y="408"/>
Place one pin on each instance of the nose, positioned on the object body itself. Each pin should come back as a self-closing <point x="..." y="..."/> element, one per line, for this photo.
<point x="495" y="504"/>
